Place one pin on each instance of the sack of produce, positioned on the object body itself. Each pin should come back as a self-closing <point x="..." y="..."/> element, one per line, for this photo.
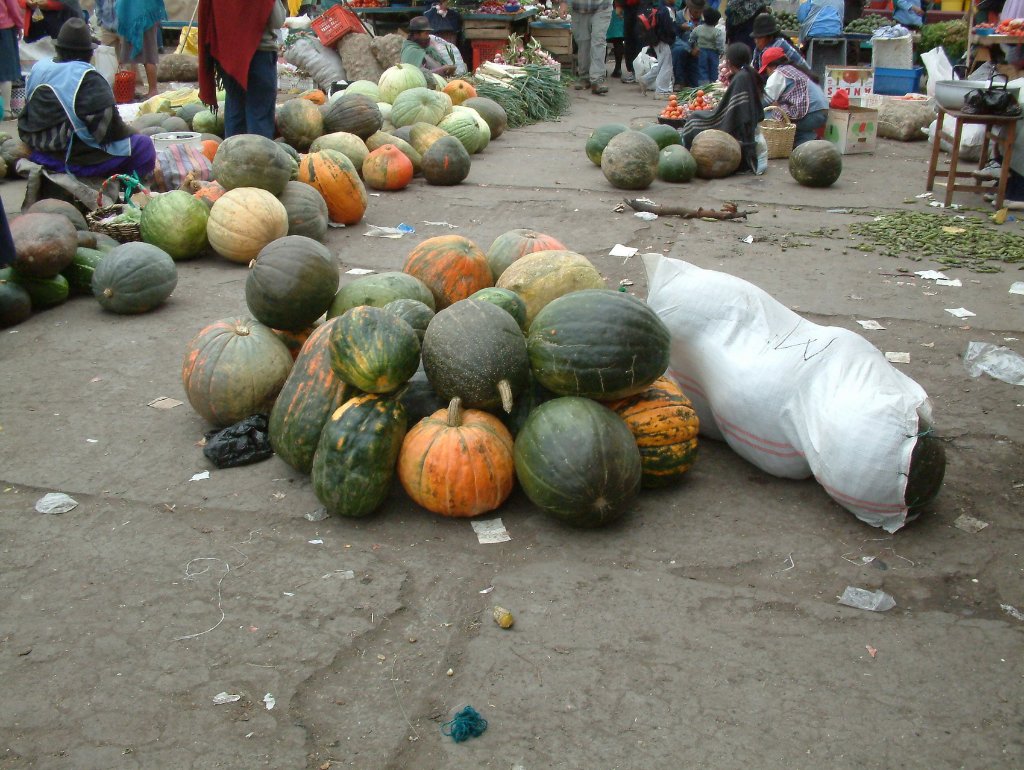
<point x="795" y="398"/>
<point x="322" y="63"/>
<point x="905" y="119"/>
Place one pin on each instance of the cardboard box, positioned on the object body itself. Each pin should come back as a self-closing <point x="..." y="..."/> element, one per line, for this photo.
<point x="858" y="82"/>
<point x="853" y="130"/>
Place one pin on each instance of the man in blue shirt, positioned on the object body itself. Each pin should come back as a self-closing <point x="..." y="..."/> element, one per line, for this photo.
<point x="908" y="13"/>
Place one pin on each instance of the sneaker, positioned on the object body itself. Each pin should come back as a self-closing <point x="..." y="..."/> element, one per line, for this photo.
<point x="992" y="170"/>
<point x="629" y="77"/>
<point x="599" y="88"/>
<point x="581" y="83"/>
<point x="616" y="73"/>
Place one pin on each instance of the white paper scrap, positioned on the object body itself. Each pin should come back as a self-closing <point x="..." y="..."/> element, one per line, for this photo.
<point x="449" y="225"/>
<point x="269" y="701"/>
<point x="925" y="195"/>
<point x="618" y="250"/>
<point x="201" y="476"/>
<point x="897" y="357"/>
<point x="948" y="282"/>
<point x="56" y="502"/>
<point x="1012" y="611"/>
<point x="164" y="402"/>
<point x="359" y="271"/>
<point x="225" y="697"/>
<point x="1017" y="287"/>
<point x="871" y="325"/>
<point x="862" y="599"/>
<point x="931" y="275"/>
<point x="748" y="239"/>
<point x="647" y="216"/>
<point x="969" y="523"/>
<point x="318" y="541"/>
<point x="491" y="531"/>
<point x="960" y="312"/>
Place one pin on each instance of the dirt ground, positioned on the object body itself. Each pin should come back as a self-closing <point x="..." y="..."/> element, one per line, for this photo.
<point x="702" y="631"/>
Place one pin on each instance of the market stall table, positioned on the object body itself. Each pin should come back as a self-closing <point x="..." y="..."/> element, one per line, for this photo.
<point x="556" y="38"/>
<point x="980" y="45"/>
<point x="488" y="32"/>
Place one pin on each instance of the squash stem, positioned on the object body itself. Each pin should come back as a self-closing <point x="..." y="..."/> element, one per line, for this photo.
<point x="455" y="413"/>
<point x="505" y="391"/>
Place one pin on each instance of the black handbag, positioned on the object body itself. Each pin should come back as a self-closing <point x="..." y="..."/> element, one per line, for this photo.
<point x="994" y="100"/>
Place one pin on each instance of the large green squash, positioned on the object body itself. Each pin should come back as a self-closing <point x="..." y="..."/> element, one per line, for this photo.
<point x="598" y="344"/>
<point x="79" y="272"/>
<point x="176" y="223"/>
<point x="234" y="368"/>
<point x="417" y="105"/>
<point x="374" y="350"/>
<point x="716" y="153"/>
<point x="207" y="122"/>
<point x="134" y="278"/>
<point x="307" y="400"/>
<point x="307" y="210"/>
<point x="664" y="135"/>
<point x="476" y="351"/>
<point x="300" y="122"/>
<point x="352" y="113"/>
<point x="676" y="164"/>
<point x="15" y="303"/>
<point x="422" y="135"/>
<point x="464" y="128"/>
<point x="599" y="139"/>
<point x="292" y="283"/>
<point x="57" y="206"/>
<point x="630" y="160"/>
<point x="577" y="461"/>
<point x="378" y="290"/>
<point x="401" y="77"/>
<point x="355" y="460"/>
<point x="248" y="160"/>
<point x="927" y="469"/>
<point x="543" y="276"/>
<point x="349" y="145"/>
<point x="507" y="300"/>
<point x="492" y="112"/>
<point x="44" y="244"/>
<point x="413" y="312"/>
<point x="365" y="87"/>
<point x="445" y="162"/>
<point x="44" y="292"/>
<point x="817" y="163"/>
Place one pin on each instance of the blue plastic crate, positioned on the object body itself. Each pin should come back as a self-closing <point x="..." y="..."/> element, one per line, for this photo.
<point x="893" y="82"/>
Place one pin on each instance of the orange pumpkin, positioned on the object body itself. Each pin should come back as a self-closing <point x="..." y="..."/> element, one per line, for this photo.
<point x="451" y="266"/>
<point x="387" y="168"/>
<point x="209" y="192"/>
<point x="336" y="179"/>
<point x="458" y="463"/>
<point x="316" y="96"/>
<point x="210" y="148"/>
<point x="665" y="427"/>
<point x="459" y="91"/>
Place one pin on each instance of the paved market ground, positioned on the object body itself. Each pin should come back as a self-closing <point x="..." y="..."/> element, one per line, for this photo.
<point x="702" y="631"/>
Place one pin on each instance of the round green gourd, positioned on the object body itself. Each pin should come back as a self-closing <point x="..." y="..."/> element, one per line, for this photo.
<point x="292" y="283"/>
<point x="176" y="223"/>
<point x="492" y="113"/>
<point x="599" y="344"/>
<point x="378" y="290"/>
<point x="675" y="164"/>
<point x="352" y="113"/>
<point x="662" y="134"/>
<point x="507" y="300"/>
<point x="445" y="162"/>
<point x="630" y="160"/>
<point x="413" y="312"/>
<point x="300" y="122"/>
<point x="374" y="350"/>
<point x="15" y="303"/>
<point x="599" y="139"/>
<point x="248" y="160"/>
<point x="577" y="461"/>
<point x="817" y="163"/>
<point x="134" y="278"/>
<point x="307" y="210"/>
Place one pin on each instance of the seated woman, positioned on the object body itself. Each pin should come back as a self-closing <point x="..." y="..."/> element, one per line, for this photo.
<point x="739" y="111"/>
<point x="71" y="122"/>
<point x="791" y="89"/>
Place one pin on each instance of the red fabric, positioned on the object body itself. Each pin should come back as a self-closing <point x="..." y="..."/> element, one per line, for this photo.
<point x="49" y="5"/>
<point x="229" y="34"/>
<point x="840" y="101"/>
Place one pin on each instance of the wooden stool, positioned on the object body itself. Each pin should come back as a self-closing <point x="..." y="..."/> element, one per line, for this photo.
<point x="1005" y="144"/>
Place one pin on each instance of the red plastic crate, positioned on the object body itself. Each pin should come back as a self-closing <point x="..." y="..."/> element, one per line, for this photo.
<point x="335" y="23"/>
<point x="124" y="86"/>
<point x="484" y="50"/>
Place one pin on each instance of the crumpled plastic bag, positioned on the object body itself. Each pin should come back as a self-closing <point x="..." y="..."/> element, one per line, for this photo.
<point x="243" y="443"/>
<point x="56" y="502"/>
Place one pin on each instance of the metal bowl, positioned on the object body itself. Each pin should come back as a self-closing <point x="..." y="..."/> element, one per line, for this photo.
<point x="950" y="93"/>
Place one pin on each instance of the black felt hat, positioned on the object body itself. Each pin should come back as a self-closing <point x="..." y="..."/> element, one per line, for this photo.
<point x="765" y="26"/>
<point x="74" y="36"/>
<point x="419" y="24"/>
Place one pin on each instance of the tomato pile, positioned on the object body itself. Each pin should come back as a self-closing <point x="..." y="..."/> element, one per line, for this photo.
<point x="672" y="109"/>
<point x="1011" y="27"/>
<point x="700" y="101"/>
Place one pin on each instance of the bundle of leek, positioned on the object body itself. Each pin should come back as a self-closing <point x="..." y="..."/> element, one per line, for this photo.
<point x="529" y="94"/>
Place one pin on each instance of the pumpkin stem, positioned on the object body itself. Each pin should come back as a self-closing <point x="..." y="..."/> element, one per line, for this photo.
<point x="505" y="391"/>
<point x="455" y="413"/>
<point x="108" y="292"/>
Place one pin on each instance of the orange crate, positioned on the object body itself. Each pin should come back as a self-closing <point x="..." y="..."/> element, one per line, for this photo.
<point x="124" y="86"/>
<point x="335" y="23"/>
<point x="484" y="50"/>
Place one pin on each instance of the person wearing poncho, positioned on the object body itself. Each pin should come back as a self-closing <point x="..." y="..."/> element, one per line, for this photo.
<point x="739" y="111"/>
<point x="416" y="51"/>
<point x="138" y="26"/>
<point x="238" y="45"/>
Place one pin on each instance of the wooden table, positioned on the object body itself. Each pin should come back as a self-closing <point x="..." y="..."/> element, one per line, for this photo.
<point x="1005" y="143"/>
<point x="979" y="51"/>
<point x="555" y="37"/>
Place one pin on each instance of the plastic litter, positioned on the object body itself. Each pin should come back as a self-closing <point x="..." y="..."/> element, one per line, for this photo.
<point x="647" y="216"/>
<point x="960" y="312"/>
<point x="376" y="231"/>
<point x="862" y="599"/>
<point x="318" y="515"/>
<point x="1017" y="287"/>
<point x="243" y="443"/>
<point x="201" y="476"/>
<point x="994" y="360"/>
<point x="269" y="701"/>
<point x="56" y="502"/>
<point x="1012" y="611"/>
<point x="491" y="531"/>
<point x="224" y="697"/>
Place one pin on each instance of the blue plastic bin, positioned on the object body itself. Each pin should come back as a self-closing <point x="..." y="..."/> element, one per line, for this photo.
<point x="893" y="82"/>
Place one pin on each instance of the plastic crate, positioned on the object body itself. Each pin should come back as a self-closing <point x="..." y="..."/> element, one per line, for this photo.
<point x="897" y="82"/>
<point x="335" y="23"/>
<point x="484" y="50"/>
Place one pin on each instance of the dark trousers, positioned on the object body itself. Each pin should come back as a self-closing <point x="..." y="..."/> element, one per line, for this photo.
<point x="684" y="64"/>
<point x="630" y="34"/>
<point x="707" y="66"/>
<point x="740" y="33"/>
<point x="251" y="110"/>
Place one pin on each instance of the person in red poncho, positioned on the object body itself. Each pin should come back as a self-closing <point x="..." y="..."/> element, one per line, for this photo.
<point x="238" y="45"/>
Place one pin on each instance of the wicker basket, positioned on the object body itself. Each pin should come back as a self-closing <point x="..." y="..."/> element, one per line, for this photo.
<point x="123" y="232"/>
<point x="779" y="135"/>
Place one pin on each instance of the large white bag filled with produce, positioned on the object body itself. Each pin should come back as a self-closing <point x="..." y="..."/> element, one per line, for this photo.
<point x="794" y="398"/>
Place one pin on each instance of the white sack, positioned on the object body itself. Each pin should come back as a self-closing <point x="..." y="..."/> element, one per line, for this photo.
<point x="938" y="67"/>
<point x="792" y="397"/>
<point x="104" y="59"/>
<point x="322" y="63"/>
<point x="971" y="138"/>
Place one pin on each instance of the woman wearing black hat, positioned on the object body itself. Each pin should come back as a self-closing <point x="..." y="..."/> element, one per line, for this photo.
<point x="71" y="122"/>
<point x="416" y="50"/>
<point x="766" y="35"/>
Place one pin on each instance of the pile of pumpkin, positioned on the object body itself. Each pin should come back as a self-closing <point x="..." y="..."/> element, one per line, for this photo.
<point x="462" y="373"/>
<point x="633" y="159"/>
<point x="56" y="256"/>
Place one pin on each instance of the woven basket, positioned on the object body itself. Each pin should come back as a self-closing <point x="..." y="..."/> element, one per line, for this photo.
<point x="123" y="232"/>
<point x="779" y="135"/>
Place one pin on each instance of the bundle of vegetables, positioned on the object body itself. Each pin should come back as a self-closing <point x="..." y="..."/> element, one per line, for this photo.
<point x="528" y="94"/>
<point x="951" y="36"/>
<point x="865" y="25"/>
<point x="519" y="53"/>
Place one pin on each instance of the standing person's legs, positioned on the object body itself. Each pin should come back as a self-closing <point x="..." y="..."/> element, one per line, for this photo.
<point x="680" y="55"/>
<point x="630" y="40"/>
<point x="234" y="106"/>
<point x="617" y="51"/>
<point x="599" y="22"/>
<point x="261" y="94"/>
<point x="663" y="79"/>
<point x="150" y="56"/>
<point x="582" y="25"/>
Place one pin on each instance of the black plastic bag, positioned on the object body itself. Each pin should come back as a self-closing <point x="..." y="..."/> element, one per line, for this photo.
<point x="239" y="444"/>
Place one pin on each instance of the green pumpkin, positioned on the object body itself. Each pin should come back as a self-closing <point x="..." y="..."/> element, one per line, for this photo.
<point x="394" y="80"/>
<point x="598" y="344"/>
<point x="474" y="350"/>
<point x="419" y="398"/>
<point x="44" y="292"/>
<point x="187" y="112"/>
<point x="630" y="160"/>
<point x="206" y="122"/>
<point x="675" y="164"/>
<point x="352" y="113"/>
<point x="307" y="400"/>
<point x="374" y="350"/>
<point x="15" y="303"/>
<point x="817" y="163"/>
<point x="578" y="461"/>
<point x="378" y="290"/>
<point x="507" y="300"/>
<point x="79" y="272"/>
<point x="416" y="105"/>
<point x="445" y="162"/>
<point x="355" y="459"/>
<point x="307" y="210"/>
<point x="665" y="136"/>
<point x="247" y="160"/>
<point x="292" y="283"/>
<point x="56" y="206"/>
<point x="176" y="223"/>
<point x="380" y="138"/>
<point x="492" y="113"/>
<point x="413" y="312"/>
<point x="599" y="139"/>
<point x="134" y="278"/>
<point x="464" y="128"/>
<point x="300" y="123"/>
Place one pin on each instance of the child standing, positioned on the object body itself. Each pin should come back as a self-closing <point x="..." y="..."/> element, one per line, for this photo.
<point x="658" y="27"/>
<point x="708" y="44"/>
<point x="616" y="37"/>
